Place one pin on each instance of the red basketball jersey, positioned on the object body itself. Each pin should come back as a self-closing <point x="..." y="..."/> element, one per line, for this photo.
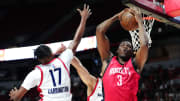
<point x="120" y="82"/>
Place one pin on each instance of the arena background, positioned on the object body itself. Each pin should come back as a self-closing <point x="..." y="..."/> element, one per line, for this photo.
<point x="33" y="22"/>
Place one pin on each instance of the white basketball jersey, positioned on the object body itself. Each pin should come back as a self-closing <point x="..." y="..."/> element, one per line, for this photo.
<point x="55" y="81"/>
<point x="97" y="94"/>
<point x="52" y="79"/>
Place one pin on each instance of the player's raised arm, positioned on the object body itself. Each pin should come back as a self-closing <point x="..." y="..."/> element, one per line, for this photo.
<point x="142" y="53"/>
<point x="85" y="13"/>
<point x="86" y="77"/>
<point x="103" y="44"/>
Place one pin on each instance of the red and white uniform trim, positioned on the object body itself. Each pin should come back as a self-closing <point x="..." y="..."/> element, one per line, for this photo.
<point x="97" y="94"/>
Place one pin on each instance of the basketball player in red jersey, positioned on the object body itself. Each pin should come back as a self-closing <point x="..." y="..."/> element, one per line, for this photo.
<point x="121" y="72"/>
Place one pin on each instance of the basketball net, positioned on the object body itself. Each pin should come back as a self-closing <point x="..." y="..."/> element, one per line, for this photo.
<point x="148" y="22"/>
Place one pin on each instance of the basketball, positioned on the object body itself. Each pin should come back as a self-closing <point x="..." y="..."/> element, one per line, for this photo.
<point x="128" y="21"/>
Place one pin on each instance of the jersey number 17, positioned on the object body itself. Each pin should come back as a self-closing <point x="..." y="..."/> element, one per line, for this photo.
<point x="52" y="76"/>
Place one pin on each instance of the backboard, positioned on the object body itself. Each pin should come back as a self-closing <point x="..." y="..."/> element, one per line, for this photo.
<point x="153" y="8"/>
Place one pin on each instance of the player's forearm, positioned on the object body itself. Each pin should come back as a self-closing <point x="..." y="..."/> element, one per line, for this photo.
<point x="83" y="73"/>
<point x="80" y="29"/>
<point x="79" y="34"/>
<point x="103" y="27"/>
<point x="142" y="34"/>
<point x="81" y="70"/>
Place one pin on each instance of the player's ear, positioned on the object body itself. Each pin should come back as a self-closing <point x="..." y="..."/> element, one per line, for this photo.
<point x="134" y="53"/>
<point x="101" y="74"/>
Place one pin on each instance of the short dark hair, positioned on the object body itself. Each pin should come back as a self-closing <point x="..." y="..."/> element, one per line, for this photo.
<point x="42" y="51"/>
<point x="128" y="40"/>
<point x="125" y="40"/>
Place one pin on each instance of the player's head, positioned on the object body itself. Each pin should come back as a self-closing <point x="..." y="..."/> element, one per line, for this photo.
<point x="125" y="49"/>
<point x="43" y="53"/>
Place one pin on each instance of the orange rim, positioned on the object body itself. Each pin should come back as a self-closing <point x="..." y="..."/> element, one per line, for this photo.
<point x="151" y="18"/>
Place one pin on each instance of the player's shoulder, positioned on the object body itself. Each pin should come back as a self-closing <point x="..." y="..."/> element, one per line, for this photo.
<point x="67" y="56"/>
<point x="39" y="67"/>
<point x="68" y="50"/>
<point x="108" y="60"/>
<point x="35" y="72"/>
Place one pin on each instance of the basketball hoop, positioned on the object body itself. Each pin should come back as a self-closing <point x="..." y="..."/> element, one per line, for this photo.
<point x="148" y="22"/>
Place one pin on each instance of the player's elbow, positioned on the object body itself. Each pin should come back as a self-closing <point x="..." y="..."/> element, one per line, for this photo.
<point x="144" y="46"/>
<point x="99" y="29"/>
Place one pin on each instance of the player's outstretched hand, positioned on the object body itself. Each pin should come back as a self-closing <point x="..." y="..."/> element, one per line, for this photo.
<point x="86" y="12"/>
<point x="13" y="93"/>
<point x="118" y="15"/>
<point x="137" y="14"/>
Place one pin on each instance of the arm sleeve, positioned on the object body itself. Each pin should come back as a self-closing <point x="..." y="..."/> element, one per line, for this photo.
<point x="32" y="79"/>
<point x="67" y="57"/>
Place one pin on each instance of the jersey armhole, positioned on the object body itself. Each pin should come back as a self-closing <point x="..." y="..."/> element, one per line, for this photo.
<point x="108" y="62"/>
<point x="94" y="89"/>
<point x="40" y="83"/>
<point x="134" y="64"/>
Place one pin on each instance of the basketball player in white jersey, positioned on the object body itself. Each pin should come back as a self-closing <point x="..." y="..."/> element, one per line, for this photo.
<point x="94" y="85"/>
<point x="52" y="76"/>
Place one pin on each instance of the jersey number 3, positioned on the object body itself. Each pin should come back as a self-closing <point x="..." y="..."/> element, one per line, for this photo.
<point x="52" y="72"/>
<point x="119" y="83"/>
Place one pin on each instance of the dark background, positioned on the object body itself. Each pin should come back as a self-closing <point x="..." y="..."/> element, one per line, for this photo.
<point x="32" y="22"/>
